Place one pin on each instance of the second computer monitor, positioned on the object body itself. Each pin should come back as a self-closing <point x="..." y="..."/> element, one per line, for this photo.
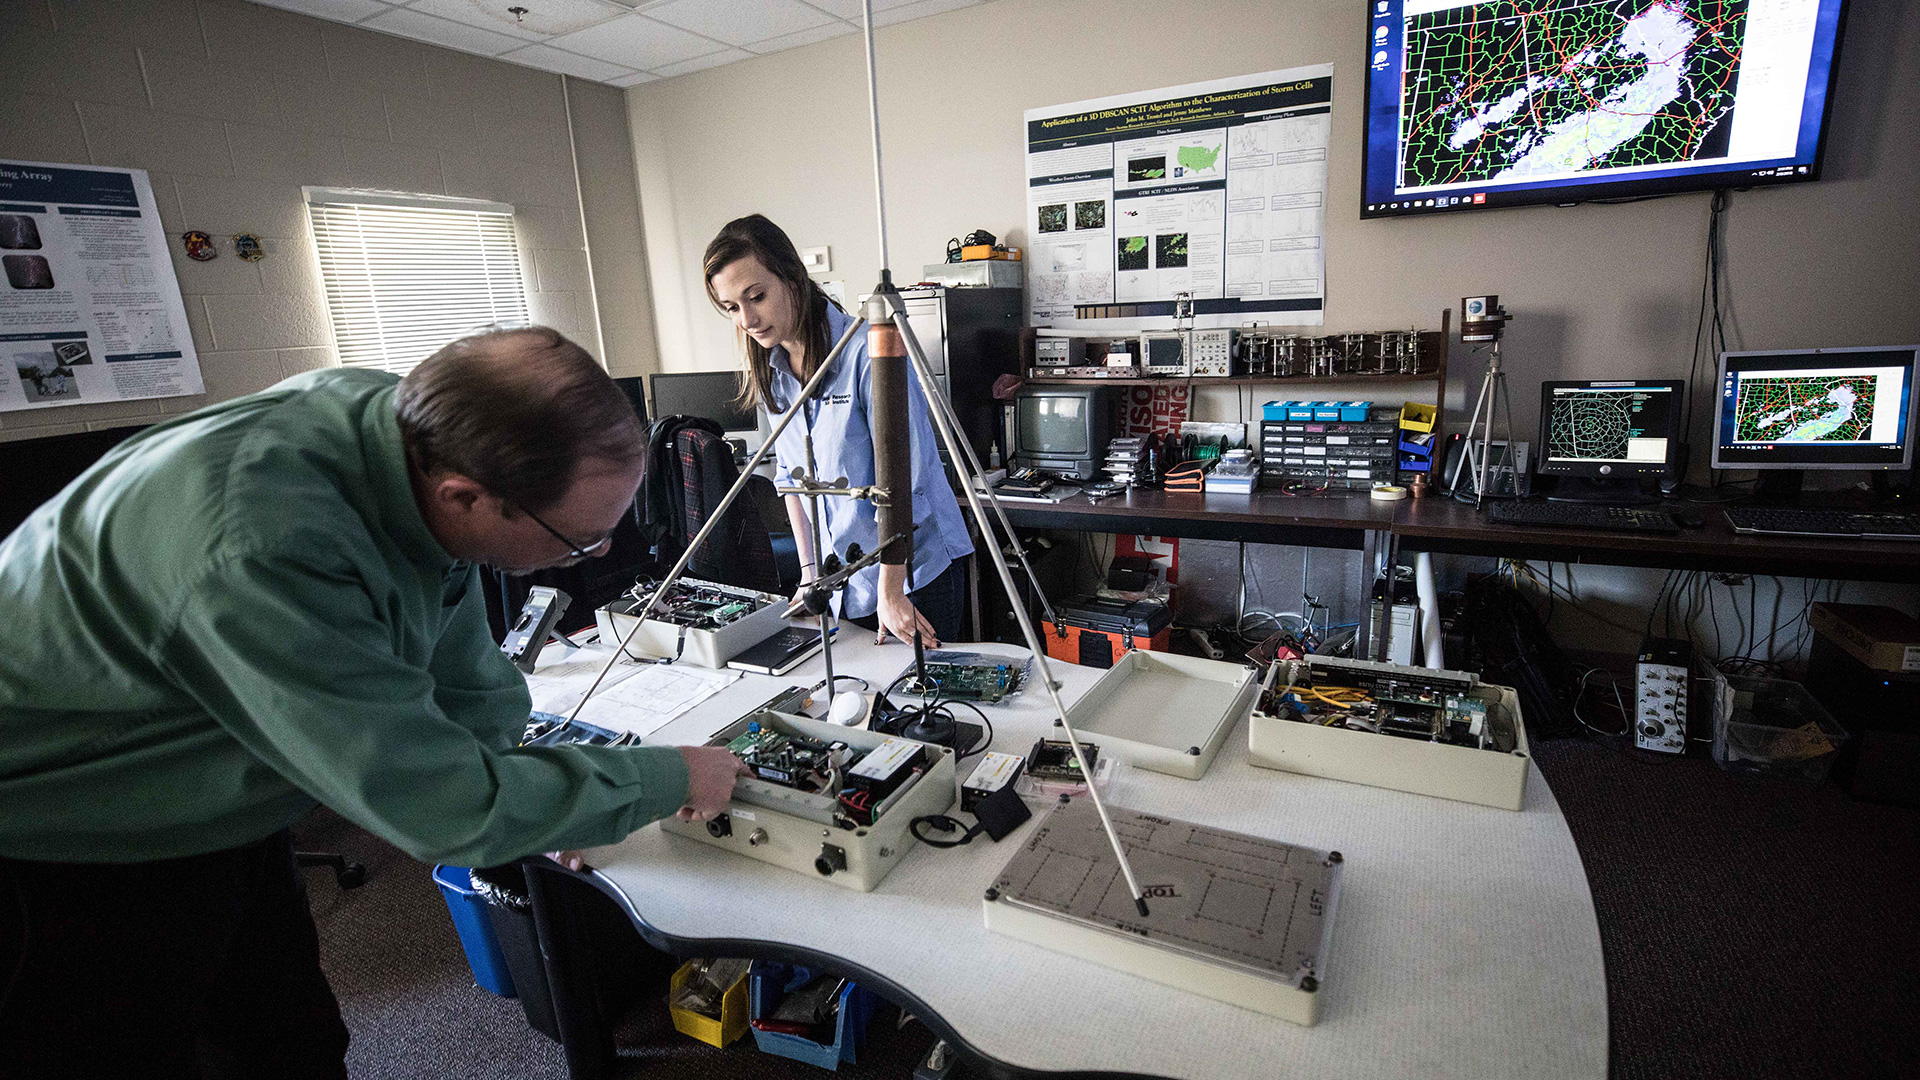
<point x="710" y="394"/>
<point x="1607" y="434"/>
<point x="1816" y="409"/>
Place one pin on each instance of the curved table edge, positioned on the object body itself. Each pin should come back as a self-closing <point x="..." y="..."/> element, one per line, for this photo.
<point x="588" y="1041"/>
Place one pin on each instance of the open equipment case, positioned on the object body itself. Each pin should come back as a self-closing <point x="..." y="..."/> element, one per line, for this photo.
<point x="1164" y="711"/>
<point x="816" y="833"/>
<point x="719" y="622"/>
<point x="1473" y="747"/>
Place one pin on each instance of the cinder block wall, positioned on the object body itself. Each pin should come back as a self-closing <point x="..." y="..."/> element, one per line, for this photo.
<point x="231" y="107"/>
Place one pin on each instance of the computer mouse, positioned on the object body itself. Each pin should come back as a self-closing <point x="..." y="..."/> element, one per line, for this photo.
<point x="1689" y="519"/>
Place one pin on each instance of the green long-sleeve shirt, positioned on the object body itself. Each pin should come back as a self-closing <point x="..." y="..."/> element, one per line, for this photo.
<point x="240" y="612"/>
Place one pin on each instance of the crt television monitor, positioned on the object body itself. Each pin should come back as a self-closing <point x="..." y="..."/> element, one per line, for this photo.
<point x="1475" y="105"/>
<point x="710" y="394"/>
<point x="1062" y="430"/>
<point x="1817" y="409"/>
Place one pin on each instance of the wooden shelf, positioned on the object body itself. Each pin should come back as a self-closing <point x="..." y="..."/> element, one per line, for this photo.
<point x="1243" y="380"/>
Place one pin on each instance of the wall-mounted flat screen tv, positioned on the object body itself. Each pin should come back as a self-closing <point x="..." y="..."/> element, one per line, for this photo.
<point x="1513" y="102"/>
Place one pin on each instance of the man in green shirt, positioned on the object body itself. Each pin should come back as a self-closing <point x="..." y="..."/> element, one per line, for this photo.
<point x="262" y="605"/>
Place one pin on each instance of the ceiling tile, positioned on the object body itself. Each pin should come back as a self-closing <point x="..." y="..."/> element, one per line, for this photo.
<point x="453" y="35"/>
<point x="850" y="9"/>
<point x="737" y="22"/>
<point x="701" y="63"/>
<point x="637" y="42"/>
<point x="542" y="19"/>
<point x="919" y="10"/>
<point x="337" y="10"/>
<point x="547" y="58"/>
<point x="804" y="37"/>
<point x="632" y="80"/>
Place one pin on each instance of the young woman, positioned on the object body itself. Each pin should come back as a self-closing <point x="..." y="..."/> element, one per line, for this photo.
<point x="754" y="276"/>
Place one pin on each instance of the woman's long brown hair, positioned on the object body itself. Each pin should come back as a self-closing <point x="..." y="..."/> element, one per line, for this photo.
<point x="755" y="236"/>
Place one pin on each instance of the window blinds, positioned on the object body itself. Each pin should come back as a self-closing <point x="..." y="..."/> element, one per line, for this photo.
<point x="405" y="276"/>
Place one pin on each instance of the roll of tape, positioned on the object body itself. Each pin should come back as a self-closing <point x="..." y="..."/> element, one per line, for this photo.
<point x="1388" y="492"/>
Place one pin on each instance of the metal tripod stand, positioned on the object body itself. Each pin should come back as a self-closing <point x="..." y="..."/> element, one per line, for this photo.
<point x="1477" y="444"/>
<point x="883" y="308"/>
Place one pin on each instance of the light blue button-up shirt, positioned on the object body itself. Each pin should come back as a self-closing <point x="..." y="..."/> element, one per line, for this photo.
<point x="843" y="446"/>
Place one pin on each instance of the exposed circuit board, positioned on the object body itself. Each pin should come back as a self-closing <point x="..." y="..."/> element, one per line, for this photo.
<point x="1052" y="759"/>
<point x="793" y="761"/>
<point x="857" y="786"/>
<point x="986" y="683"/>
<point x="698" y="605"/>
<point x="1434" y="706"/>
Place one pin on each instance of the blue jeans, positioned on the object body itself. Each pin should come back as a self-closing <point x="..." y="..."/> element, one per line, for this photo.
<point x="942" y="602"/>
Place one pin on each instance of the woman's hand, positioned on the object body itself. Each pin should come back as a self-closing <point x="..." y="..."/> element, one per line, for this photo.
<point x="896" y="613"/>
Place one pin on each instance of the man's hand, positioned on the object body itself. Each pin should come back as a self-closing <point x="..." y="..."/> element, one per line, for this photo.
<point x="710" y="774"/>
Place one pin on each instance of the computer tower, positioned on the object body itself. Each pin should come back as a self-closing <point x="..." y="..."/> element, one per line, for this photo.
<point x="971" y="337"/>
<point x="1881" y="709"/>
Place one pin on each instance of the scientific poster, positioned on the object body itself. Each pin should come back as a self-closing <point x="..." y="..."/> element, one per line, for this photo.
<point x="90" y="310"/>
<point x="1214" y="190"/>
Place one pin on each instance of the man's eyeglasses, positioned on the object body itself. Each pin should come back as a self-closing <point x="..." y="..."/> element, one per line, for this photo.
<point x="574" y="551"/>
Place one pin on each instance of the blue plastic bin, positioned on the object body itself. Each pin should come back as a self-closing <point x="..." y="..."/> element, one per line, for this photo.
<point x="475" y="928"/>
<point x="1275" y="410"/>
<point x="768" y="982"/>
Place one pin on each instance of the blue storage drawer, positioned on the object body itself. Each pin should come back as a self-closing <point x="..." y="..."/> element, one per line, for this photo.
<point x="768" y="982"/>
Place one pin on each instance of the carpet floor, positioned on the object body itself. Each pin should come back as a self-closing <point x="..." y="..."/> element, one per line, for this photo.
<point x="1751" y="928"/>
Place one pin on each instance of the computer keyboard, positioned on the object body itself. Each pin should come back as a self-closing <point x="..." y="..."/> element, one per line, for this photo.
<point x="1580" y="516"/>
<point x="1813" y="521"/>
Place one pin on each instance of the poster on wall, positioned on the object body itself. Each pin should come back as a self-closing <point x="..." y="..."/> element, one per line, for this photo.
<point x="1213" y="191"/>
<point x="90" y="310"/>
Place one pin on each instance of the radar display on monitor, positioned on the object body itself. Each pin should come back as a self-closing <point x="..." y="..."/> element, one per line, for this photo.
<point x="1847" y="408"/>
<point x="1626" y="426"/>
<point x="1475" y="103"/>
<point x="1513" y="90"/>
<point x="1801" y="408"/>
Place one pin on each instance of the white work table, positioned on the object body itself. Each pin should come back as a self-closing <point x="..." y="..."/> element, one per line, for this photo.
<point x="1464" y="941"/>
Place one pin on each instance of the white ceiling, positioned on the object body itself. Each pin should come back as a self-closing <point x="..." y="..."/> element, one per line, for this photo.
<point x="619" y="42"/>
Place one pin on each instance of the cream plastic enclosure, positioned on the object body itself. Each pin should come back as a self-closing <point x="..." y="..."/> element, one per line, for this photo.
<point x="1237" y="918"/>
<point x="1463" y="773"/>
<point x="658" y="638"/>
<point x="1163" y="711"/>
<point x="793" y="829"/>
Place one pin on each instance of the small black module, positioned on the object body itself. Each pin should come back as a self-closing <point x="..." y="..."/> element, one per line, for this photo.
<point x="1052" y="759"/>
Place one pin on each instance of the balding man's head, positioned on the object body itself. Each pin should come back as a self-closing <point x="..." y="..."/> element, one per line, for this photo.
<point x="517" y="411"/>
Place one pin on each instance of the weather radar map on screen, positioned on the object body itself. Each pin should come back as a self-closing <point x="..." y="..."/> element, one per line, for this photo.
<point x="1511" y="90"/>
<point x="1822" y="408"/>
<point x="1504" y="102"/>
<point x="1597" y="425"/>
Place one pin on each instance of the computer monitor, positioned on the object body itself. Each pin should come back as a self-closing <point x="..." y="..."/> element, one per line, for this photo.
<point x="631" y="386"/>
<point x="1062" y="430"/>
<point x="710" y="394"/>
<point x="1790" y="410"/>
<point x="1606" y="436"/>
